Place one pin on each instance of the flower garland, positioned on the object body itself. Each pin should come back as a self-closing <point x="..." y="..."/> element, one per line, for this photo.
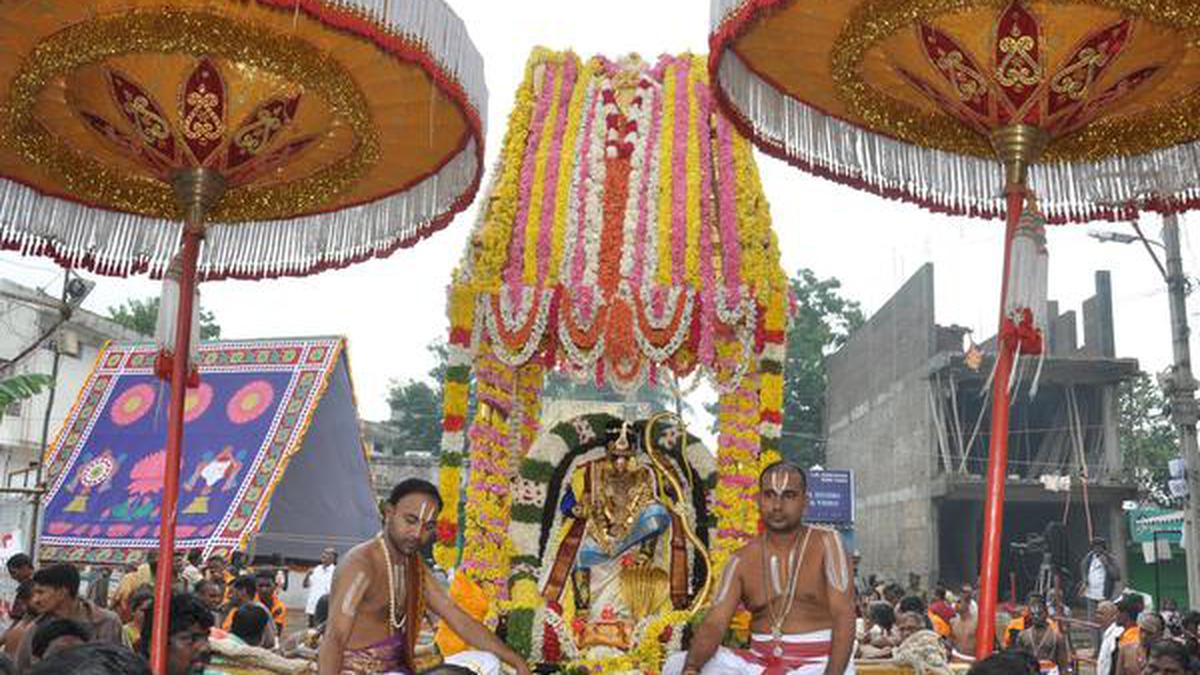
<point x="485" y="536"/>
<point x="649" y="652"/>
<point x="773" y="355"/>
<point x="456" y="396"/>
<point x="492" y="238"/>
<point x="575" y="140"/>
<point x="738" y="447"/>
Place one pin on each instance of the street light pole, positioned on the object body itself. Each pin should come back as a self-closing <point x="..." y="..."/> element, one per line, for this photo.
<point x="1181" y="389"/>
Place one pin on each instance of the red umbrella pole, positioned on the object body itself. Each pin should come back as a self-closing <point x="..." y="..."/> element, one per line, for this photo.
<point x="1017" y="146"/>
<point x="993" y="514"/>
<point x="197" y="190"/>
<point x="179" y="371"/>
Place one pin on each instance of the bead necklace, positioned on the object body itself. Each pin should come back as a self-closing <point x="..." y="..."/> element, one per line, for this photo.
<point x="794" y="562"/>
<point x="396" y="625"/>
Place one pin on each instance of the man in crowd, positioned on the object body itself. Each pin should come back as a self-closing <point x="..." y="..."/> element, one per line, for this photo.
<point x="964" y="623"/>
<point x="1122" y="632"/>
<point x="382" y="588"/>
<point x="135" y="578"/>
<point x="244" y="591"/>
<point x="319" y="581"/>
<point x="1106" y="617"/>
<point x="1098" y="574"/>
<point x="798" y="584"/>
<point x="1132" y="658"/>
<point x="242" y="651"/>
<point x="1041" y="640"/>
<point x="20" y="568"/>
<point x="23" y="616"/>
<point x="188" y="624"/>
<point x="56" y="596"/>
<point x="265" y="580"/>
<point x="56" y="635"/>
<point x="212" y="594"/>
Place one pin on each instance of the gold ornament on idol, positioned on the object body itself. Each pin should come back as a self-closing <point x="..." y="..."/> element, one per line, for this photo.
<point x="396" y="625"/>
<point x="795" y="560"/>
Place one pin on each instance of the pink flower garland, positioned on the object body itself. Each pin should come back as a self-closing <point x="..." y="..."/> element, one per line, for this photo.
<point x="579" y="259"/>
<point x="679" y="174"/>
<point x="554" y="161"/>
<point x="707" y="282"/>
<point x="516" y="252"/>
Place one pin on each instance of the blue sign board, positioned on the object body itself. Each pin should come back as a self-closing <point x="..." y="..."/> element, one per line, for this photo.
<point x="830" y="497"/>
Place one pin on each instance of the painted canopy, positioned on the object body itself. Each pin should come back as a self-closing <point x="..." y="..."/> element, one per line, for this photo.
<point x="273" y="459"/>
<point x="899" y="96"/>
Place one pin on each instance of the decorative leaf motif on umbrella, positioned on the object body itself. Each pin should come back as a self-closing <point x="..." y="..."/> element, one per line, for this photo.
<point x="204" y="110"/>
<point x="253" y="149"/>
<point x="1016" y="89"/>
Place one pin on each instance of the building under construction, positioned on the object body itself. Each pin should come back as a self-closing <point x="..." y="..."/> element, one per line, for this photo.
<point x="908" y="410"/>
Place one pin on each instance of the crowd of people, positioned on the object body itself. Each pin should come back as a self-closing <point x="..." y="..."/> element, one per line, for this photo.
<point x="1125" y="637"/>
<point x="812" y="613"/>
<point x="225" y="618"/>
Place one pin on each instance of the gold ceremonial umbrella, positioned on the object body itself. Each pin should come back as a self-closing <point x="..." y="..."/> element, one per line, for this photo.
<point x="916" y="99"/>
<point x="291" y="136"/>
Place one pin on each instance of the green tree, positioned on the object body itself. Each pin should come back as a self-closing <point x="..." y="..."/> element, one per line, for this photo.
<point x="1148" y="439"/>
<point x="823" y="321"/>
<point x="21" y="387"/>
<point x="416" y="406"/>
<point x="142" y="316"/>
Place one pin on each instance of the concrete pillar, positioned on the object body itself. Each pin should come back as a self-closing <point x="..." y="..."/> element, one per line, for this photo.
<point x="1109" y="416"/>
<point x="1116" y="538"/>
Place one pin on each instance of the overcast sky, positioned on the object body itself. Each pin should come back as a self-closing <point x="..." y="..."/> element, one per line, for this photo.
<point x="390" y="309"/>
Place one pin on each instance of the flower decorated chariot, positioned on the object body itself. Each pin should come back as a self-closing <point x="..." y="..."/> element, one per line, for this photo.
<point x="624" y="241"/>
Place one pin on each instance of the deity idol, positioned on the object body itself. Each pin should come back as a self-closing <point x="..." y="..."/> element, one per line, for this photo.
<point x="624" y="554"/>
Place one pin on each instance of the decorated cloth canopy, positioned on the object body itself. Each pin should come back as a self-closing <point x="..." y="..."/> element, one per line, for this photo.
<point x="290" y="136"/>
<point x="1091" y="103"/>
<point x="625" y="240"/>
<point x="899" y="96"/>
<point x="273" y="463"/>
<point x="373" y="110"/>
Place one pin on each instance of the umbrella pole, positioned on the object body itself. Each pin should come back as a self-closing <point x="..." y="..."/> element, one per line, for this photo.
<point x="993" y="516"/>
<point x="197" y="191"/>
<point x="1017" y="146"/>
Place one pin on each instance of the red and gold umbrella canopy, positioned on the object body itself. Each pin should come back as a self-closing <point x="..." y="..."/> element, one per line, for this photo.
<point x="291" y="136"/>
<point x="900" y="97"/>
<point x="342" y="131"/>
<point x="912" y="99"/>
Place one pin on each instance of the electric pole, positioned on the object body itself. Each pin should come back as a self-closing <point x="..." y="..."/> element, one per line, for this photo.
<point x="1181" y="390"/>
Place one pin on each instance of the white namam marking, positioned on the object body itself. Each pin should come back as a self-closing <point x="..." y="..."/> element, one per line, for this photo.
<point x="837" y="570"/>
<point x="727" y="579"/>
<point x="776" y="582"/>
<point x="357" y="587"/>
<point x="426" y="510"/>
<point x="780" y="481"/>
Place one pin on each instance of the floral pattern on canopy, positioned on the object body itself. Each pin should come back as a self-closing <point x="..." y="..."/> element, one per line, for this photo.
<point x="625" y="239"/>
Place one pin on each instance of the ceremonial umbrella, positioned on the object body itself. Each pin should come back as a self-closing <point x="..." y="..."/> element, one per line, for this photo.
<point x="915" y="99"/>
<point x="291" y="136"/>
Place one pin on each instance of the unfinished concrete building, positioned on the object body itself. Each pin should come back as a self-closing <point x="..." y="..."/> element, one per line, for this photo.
<point x="910" y="416"/>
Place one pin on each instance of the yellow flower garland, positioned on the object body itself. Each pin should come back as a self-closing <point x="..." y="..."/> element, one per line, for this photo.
<point x="666" y="139"/>
<point x="496" y="230"/>
<point x="541" y="158"/>
<point x="696" y="74"/>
